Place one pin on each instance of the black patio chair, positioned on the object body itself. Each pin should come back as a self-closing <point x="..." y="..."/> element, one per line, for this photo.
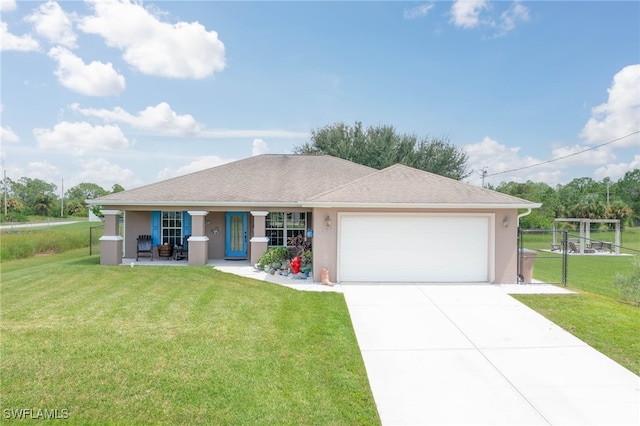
<point x="181" y="251"/>
<point x="572" y="247"/>
<point x="144" y="246"/>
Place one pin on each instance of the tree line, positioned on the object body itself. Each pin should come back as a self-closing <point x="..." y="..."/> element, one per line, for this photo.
<point x="583" y="197"/>
<point x="35" y="197"/>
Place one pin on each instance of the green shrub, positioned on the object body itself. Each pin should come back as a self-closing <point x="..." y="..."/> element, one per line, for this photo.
<point x="274" y="255"/>
<point x="629" y="284"/>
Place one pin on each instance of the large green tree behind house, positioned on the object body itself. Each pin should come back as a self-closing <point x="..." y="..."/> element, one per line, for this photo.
<point x="381" y="146"/>
<point x="539" y="192"/>
<point x="85" y="191"/>
<point x="77" y="195"/>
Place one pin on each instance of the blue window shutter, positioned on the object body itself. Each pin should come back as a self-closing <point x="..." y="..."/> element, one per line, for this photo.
<point x="155" y="227"/>
<point x="186" y="224"/>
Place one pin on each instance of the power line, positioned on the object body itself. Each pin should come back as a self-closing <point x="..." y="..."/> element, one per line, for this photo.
<point x="562" y="158"/>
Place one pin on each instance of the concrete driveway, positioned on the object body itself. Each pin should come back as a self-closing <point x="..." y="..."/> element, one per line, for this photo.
<point x="472" y="354"/>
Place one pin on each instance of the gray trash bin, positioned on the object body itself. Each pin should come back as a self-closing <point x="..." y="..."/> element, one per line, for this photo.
<point x="528" y="258"/>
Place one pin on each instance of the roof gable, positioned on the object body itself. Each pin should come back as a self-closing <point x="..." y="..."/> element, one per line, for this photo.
<point x="267" y="179"/>
<point x="403" y="185"/>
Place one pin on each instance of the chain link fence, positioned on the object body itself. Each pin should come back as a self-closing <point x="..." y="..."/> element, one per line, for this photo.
<point x="95" y="233"/>
<point x="545" y="252"/>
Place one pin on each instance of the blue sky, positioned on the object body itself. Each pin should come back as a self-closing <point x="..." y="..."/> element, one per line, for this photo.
<point x="130" y="92"/>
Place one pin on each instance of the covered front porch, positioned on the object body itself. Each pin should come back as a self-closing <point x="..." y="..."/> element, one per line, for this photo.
<point x="203" y="235"/>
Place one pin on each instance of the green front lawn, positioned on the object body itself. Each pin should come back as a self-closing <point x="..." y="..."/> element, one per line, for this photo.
<point x="175" y="346"/>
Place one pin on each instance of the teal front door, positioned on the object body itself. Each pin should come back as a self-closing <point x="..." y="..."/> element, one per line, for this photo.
<point x="236" y="235"/>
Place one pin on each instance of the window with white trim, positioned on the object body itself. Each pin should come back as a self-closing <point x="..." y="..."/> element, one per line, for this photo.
<point x="171" y="228"/>
<point x="281" y="225"/>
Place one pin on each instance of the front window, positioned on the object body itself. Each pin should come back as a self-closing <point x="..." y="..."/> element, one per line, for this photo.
<point x="171" y="228"/>
<point x="280" y="226"/>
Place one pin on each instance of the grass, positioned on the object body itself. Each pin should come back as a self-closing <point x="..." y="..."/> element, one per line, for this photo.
<point x="596" y="315"/>
<point x="175" y="345"/>
<point x="604" y="323"/>
<point x="20" y="243"/>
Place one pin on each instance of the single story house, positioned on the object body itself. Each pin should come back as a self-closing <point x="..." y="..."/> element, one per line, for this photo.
<point x="398" y="224"/>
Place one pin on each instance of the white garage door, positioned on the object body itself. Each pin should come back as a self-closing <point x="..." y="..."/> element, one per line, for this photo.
<point x="414" y="248"/>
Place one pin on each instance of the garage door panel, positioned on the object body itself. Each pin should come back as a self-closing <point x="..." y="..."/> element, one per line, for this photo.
<point x="423" y="248"/>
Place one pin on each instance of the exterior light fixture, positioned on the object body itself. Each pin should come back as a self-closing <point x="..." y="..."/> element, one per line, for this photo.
<point x="327" y="221"/>
<point x="506" y="221"/>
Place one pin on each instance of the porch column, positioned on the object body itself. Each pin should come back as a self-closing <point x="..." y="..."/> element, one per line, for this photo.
<point x="198" y="241"/>
<point x="259" y="241"/>
<point x="111" y="241"/>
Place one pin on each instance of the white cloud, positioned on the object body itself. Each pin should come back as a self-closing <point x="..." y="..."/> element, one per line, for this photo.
<point x="36" y="170"/>
<point x="617" y="171"/>
<point x="498" y="158"/>
<point x="195" y="166"/>
<point x="620" y="115"/>
<point x="160" y="118"/>
<point x="466" y="13"/>
<point x="575" y="156"/>
<point x="81" y="138"/>
<point x="43" y="170"/>
<point x="510" y="17"/>
<point x="504" y="163"/>
<point x="259" y="147"/>
<point x="418" y="11"/>
<point x="104" y="173"/>
<point x="8" y="5"/>
<point x="24" y="43"/>
<point x="95" y="79"/>
<point x="52" y="23"/>
<point x="8" y="135"/>
<point x="181" y="50"/>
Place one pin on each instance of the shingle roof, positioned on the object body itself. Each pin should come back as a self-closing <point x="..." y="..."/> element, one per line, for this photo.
<point x="400" y="184"/>
<point x="310" y="181"/>
<point x="268" y="179"/>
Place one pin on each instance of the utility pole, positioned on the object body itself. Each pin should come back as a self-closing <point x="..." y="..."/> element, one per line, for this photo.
<point x="483" y="173"/>
<point x="62" y="199"/>
<point x="607" y="193"/>
<point x="4" y="184"/>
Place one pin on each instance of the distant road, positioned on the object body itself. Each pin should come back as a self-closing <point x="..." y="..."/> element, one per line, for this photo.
<point x="35" y="224"/>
